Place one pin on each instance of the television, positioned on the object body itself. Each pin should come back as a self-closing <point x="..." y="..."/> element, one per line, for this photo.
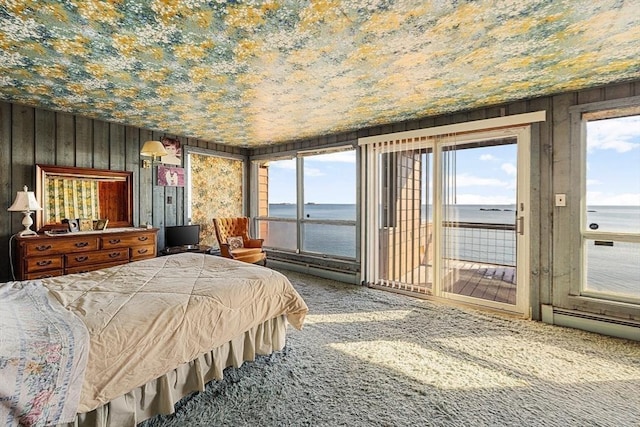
<point x="182" y="235"/>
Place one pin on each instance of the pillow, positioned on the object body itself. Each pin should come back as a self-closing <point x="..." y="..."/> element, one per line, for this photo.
<point x="235" y="242"/>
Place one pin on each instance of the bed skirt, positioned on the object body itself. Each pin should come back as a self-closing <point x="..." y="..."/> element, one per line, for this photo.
<point x="160" y="395"/>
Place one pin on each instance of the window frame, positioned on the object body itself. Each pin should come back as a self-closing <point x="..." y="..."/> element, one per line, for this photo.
<point x="300" y="220"/>
<point x="579" y="117"/>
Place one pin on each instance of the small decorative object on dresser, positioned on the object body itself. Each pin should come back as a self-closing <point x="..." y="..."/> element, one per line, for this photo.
<point x="74" y="225"/>
<point x="101" y="224"/>
<point x="86" y="224"/>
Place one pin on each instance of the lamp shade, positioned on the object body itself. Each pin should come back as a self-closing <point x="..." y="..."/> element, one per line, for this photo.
<point x="25" y="201"/>
<point x="153" y="149"/>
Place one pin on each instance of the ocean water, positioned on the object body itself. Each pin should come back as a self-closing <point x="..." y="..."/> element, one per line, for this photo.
<point x="611" y="268"/>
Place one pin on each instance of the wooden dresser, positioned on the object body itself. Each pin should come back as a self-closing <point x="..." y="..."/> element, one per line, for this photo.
<point x="48" y="256"/>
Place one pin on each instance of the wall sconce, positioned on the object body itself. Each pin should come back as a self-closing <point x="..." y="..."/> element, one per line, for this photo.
<point x="26" y="203"/>
<point x="153" y="149"/>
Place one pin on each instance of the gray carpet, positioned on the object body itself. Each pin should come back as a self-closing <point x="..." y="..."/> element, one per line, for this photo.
<point x="372" y="358"/>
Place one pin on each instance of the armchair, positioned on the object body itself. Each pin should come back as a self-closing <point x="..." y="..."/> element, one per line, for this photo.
<point x="229" y="231"/>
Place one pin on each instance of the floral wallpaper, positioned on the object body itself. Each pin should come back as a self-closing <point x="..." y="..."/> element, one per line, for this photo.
<point x="250" y="72"/>
<point x="216" y="191"/>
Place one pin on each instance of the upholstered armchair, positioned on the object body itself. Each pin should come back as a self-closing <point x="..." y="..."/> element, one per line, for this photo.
<point x="235" y="242"/>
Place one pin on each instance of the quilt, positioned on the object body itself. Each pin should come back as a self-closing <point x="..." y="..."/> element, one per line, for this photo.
<point x="43" y="354"/>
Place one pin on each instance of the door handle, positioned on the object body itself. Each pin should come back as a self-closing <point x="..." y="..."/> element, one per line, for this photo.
<point x="520" y="225"/>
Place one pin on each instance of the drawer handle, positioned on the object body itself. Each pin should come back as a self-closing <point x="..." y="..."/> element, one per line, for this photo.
<point x="114" y="241"/>
<point x="143" y="238"/>
<point x="114" y="254"/>
<point x="82" y="244"/>
<point x="42" y="263"/>
<point x="43" y="247"/>
<point x="82" y="258"/>
<point x="142" y="251"/>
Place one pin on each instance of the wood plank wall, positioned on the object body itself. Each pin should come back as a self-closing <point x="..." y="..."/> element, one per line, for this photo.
<point x="30" y="135"/>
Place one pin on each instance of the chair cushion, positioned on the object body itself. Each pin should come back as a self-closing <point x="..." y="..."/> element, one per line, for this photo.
<point x="235" y="242"/>
<point x="251" y="255"/>
<point x="240" y="252"/>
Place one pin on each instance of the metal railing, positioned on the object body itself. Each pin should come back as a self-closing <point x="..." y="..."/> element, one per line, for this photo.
<point x="480" y="242"/>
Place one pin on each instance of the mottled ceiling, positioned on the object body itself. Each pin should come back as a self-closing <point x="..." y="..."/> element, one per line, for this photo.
<point x="253" y="73"/>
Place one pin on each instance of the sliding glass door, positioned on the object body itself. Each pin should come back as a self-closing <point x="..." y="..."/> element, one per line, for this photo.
<point x="451" y="215"/>
<point x="479" y="206"/>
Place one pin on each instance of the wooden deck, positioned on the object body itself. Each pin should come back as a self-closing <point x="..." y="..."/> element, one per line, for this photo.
<point x="489" y="282"/>
<point x="484" y="281"/>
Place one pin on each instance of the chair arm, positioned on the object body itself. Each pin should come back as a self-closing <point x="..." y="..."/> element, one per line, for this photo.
<point x="225" y="251"/>
<point x="253" y="243"/>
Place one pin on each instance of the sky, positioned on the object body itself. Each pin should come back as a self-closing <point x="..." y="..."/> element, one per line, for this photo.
<point x="329" y="178"/>
<point x="613" y="162"/>
<point x="483" y="176"/>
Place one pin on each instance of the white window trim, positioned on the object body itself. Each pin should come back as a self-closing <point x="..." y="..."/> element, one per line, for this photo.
<point x="579" y="137"/>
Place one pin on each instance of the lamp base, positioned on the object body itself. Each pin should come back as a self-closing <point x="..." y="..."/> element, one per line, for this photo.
<point x="27" y="233"/>
<point x="27" y="222"/>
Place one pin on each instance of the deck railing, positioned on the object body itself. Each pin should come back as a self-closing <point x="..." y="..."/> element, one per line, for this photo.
<point x="480" y="242"/>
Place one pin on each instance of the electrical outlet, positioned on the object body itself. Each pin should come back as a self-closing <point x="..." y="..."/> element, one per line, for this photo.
<point x="561" y="200"/>
<point x="169" y="200"/>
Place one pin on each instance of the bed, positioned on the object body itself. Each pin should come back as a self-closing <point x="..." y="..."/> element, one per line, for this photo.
<point x="154" y="331"/>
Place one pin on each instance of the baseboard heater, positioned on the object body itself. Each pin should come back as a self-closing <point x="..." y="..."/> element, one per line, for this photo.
<point x="321" y="267"/>
<point x="605" y="325"/>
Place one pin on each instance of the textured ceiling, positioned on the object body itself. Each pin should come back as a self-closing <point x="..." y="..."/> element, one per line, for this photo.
<point x="253" y="73"/>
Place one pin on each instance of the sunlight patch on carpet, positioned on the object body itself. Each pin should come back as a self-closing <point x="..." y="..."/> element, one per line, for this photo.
<point x="563" y="365"/>
<point x="367" y="316"/>
<point x="444" y="371"/>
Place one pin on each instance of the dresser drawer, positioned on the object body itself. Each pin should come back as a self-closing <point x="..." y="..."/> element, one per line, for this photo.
<point x="143" y="252"/>
<point x="61" y="245"/>
<point x="43" y="274"/>
<point x="43" y="263"/>
<point x="93" y="267"/>
<point x="98" y="257"/>
<point x="124" y="241"/>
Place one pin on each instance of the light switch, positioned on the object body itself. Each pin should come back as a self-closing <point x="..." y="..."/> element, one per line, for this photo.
<point x="561" y="200"/>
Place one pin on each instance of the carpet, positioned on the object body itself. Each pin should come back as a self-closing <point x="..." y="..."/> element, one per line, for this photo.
<point x="373" y="358"/>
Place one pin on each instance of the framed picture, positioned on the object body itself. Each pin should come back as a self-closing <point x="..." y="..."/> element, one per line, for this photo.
<point x="173" y="147"/>
<point x="170" y="176"/>
<point x="86" y="224"/>
<point x="74" y="225"/>
<point x="100" y="224"/>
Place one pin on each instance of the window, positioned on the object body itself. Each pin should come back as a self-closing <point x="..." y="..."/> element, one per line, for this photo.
<point x="278" y="203"/>
<point x="611" y="205"/>
<point x="307" y="204"/>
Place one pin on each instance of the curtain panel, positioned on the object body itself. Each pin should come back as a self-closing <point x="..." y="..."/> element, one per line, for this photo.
<point x="72" y="198"/>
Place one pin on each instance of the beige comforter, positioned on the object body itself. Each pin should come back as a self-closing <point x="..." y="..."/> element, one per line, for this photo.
<point x="147" y="317"/>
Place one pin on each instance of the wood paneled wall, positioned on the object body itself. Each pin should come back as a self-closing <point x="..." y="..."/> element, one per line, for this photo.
<point x="30" y="135"/>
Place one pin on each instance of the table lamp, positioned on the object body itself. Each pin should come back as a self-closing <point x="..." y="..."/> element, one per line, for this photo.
<point x="26" y="203"/>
